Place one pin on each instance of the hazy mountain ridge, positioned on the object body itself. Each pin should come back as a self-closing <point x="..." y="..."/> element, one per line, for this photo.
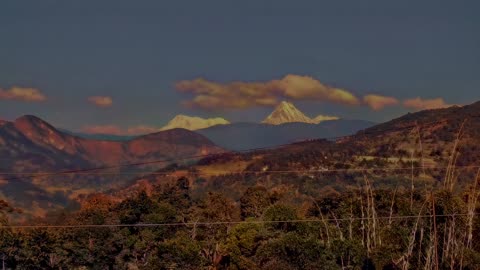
<point x="99" y="137"/>
<point x="285" y="124"/>
<point x="242" y="136"/>
<point x="247" y="135"/>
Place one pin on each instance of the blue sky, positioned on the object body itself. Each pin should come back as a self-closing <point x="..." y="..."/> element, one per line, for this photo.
<point x="135" y="52"/>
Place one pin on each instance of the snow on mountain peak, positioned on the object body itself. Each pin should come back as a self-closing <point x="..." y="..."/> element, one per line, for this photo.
<point x="193" y="122"/>
<point x="286" y="112"/>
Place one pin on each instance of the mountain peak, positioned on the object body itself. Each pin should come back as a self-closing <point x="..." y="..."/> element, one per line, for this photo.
<point x="193" y="122"/>
<point x="286" y="112"/>
<point x="285" y="103"/>
<point x="28" y="117"/>
<point x="27" y="123"/>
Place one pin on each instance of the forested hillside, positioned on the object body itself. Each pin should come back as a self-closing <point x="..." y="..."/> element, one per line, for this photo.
<point x="265" y="229"/>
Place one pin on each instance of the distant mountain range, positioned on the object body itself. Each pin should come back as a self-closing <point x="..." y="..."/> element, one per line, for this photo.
<point x="285" y="124"/>
<point x="284" y="112"/>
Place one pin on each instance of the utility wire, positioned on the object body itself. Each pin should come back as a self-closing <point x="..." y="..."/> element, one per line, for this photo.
<point x="176" y="224"/>
<point x="260" y="171"/>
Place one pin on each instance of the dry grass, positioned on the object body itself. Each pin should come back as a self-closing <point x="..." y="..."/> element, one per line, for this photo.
<point x="233" y="166"/>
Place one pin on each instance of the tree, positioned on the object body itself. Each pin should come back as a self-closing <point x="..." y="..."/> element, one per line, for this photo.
<point x="178" y="194"/>
<point x="254" y="201"/>
<point x="9" y="241"/>
<point x="242" y="243"/>
<point x="279" y="217"/>
<point x="293" y="251"/>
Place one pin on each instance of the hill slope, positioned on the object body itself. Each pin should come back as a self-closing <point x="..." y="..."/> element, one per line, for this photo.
<point x="29" y="137"/>
<point x="430" y="134"/>
<point x="31" y="145"/>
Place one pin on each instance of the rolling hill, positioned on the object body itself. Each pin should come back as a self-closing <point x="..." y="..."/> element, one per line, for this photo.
<point x="430" y="134"/>
<point x="30" y="145"/>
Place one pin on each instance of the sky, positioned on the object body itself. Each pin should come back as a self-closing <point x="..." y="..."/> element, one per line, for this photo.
<point x="131" y="66"/>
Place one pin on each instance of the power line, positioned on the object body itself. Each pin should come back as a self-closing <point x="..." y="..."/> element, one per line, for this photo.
<point x="177" y="224"/>
<point x="257" y="171"/>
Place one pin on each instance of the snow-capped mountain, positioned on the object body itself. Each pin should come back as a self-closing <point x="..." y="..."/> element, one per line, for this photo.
<point x="193" y="122"/>
<point x="286" y="112"/>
